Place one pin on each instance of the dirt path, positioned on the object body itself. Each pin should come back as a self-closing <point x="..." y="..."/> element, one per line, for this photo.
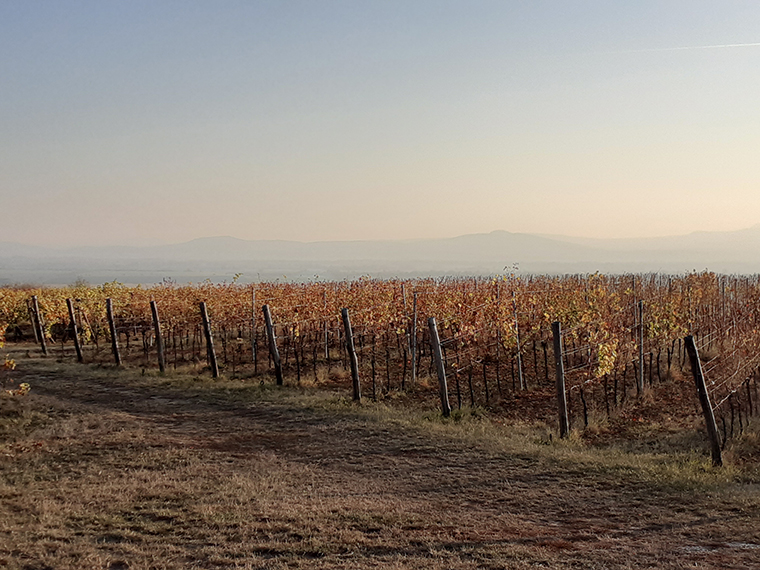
<point x="126" y="475"/>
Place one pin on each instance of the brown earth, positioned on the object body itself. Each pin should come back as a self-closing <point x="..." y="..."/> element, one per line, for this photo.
<point x="111" y="469"/>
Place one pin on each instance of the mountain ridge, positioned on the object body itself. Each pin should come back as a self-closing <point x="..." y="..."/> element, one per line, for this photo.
<point x="220" y="257"/>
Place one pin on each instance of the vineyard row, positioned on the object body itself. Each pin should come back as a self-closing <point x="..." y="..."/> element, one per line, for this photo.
<point x="621" y="337"/>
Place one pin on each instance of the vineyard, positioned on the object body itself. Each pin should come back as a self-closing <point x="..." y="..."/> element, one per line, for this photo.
<point x="621" y="339"/>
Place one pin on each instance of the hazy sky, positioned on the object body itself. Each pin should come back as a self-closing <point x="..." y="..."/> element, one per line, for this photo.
<point x="160" y="121"/>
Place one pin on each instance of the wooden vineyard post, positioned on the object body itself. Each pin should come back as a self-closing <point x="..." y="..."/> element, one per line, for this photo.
<point x="352" y="355"/>
<point x="435" y="345"/>
<point x="209" y="341"/>
<point x="112" y="329"/>
<point x="159" y="338"/>
<point x="520" y="376"/>
<point x="704" y="400"/>
<point x="273" y="344"/>
<point x="414" y="338"/>
<point x="253" y="329"/>
<point x="74" y="330"/>
<point x="498" y="335"/>
<point x="327" y="335"/>
<point x="635" y="307"/>
<point x="407" y="332"/>
<point x="33" y="320"/>
<point x="640" y="340"/>
<point x="560" y="377"/>
<point x="38" y="324"/>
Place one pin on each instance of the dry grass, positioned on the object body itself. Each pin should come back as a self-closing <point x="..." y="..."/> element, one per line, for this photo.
<point x="101" y="468"/>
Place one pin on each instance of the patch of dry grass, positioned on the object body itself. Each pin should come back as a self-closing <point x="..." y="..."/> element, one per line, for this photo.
<point x="128" y="470"/>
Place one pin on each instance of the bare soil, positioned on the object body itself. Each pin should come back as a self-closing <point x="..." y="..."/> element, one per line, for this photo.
<point x="104" y="468"/>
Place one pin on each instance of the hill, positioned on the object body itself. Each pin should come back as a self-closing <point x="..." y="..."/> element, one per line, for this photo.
<point x="220" y="258"/>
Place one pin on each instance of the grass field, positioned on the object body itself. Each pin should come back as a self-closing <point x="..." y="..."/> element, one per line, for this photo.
<point x="108" y="468"/>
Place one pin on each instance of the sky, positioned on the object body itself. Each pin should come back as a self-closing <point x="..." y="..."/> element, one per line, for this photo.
<point x="141" y="122"/>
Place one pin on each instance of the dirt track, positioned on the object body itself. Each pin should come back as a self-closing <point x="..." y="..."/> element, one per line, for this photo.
<point x="129" y="475"/>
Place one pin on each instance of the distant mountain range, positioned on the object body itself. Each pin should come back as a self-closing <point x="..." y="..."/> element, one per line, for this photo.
<point x="221" y="258"/>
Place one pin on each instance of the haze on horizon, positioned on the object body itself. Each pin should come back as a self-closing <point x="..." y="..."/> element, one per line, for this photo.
<point x="162" y="121"/>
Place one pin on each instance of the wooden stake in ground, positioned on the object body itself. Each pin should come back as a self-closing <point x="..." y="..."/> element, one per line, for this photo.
<point x="209" y="341"/>
<point x="414" y="338"/>
<point x="406" y="318"/>
<point x="112" y="329"/>
<point x="560" y="377"/>
<point x="74" y="330"/>
<point x="273" y="344"/>
<point x="435" y="345"/>
<point x="253" y="327"/>
<point x="352" y="355"/>
<point x="498" y="335"/>
<point x="38" y="324"/>
<point x="519" y="348"/>
<point x="327" y="336"/>
<point x="32" y="319"/>
<point x="159" y="338"/>
<point x="704" y="400"/>
<point x="640" y="370"/>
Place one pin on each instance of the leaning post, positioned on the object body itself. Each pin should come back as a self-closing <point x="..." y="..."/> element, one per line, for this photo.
<point x="209" y="341"/>
<point x="435" y="345"/>
<point x="74" y="330"/>
<point x="559" y="368"/>
<point x="159" y="338"/>
<point x="38" y="324"/>
<point x="112" y="329"/>
<point x="523" y="385"/>
<point x="273" y="344"/>
<point x="351" y="349"/>
<point x="33" y="320"/>
<point x="704" y="400"/>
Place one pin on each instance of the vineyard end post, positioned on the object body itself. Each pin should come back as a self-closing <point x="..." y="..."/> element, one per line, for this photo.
<point x="435" y="345"/>
<point x="414" y="338"/>
<point x="38" y="324"/>
<point x="640" y="341"/>
<point x="352" y="355"/>
<point x="112" y="330"/>
<point x="209" y="341"/>
<point x="560" y="380"/>
<point x="273" y="344"/>
<point x="704" y="400"/>
<point x="159" y="338"/>
<point x="74" y="330"/>
<point x="32" y="319"/>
